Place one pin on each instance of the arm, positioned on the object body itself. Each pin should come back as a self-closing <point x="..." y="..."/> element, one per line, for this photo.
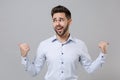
<point x="34" y="67"/>
<point x="87" y="62"/>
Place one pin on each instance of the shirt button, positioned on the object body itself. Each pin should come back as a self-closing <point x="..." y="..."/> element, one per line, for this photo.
<point x="62" y="62"/>
<point x="25" y="59"/>
<point x="62" y="53"/>
<point x="62" y="72"/>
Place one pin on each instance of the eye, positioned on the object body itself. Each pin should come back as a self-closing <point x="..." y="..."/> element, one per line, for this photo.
<point x="54" y="20"/>
<point x="61" y="19"/>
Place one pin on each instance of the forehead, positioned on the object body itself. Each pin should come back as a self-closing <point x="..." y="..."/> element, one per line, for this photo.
<point x="59" y="15"/>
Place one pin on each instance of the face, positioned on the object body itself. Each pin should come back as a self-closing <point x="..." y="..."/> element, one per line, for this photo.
<point x="61" y="24"/>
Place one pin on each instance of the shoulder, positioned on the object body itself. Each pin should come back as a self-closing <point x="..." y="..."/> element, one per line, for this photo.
<point x="79" y="41"/>
<point x="46" y="42"/>
<point x="81" y="45"/>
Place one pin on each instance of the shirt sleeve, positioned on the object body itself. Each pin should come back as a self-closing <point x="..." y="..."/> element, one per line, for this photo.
<point x="89" y="65"/>
<point x="34" y="67"/>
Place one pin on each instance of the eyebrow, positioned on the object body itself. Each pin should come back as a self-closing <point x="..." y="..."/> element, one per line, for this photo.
<point x="54" y="18"/>
<point x="59" y="18"/>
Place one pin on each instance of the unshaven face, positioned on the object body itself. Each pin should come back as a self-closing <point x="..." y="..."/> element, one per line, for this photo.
<point x="60" y="23"/>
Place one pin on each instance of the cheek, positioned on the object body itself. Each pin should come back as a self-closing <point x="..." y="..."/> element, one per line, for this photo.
<point x="53" y="24"/>
<point x="63" y="24"/>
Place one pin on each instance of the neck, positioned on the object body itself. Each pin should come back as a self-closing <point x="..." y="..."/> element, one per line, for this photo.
<point x="63" y="38"/>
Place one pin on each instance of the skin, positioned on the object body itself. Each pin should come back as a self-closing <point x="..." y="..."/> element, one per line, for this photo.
<point x="61" y="27"/>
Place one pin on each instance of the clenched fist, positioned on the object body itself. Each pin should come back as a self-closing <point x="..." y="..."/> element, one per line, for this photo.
<point x="103" y="46"/>
<point x="24" y="48"/>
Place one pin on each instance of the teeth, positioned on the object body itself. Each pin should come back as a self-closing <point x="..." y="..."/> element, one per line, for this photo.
<point x="59" y="28"/>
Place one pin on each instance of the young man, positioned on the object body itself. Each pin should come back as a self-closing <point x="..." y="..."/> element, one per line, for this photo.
<point x="62" y="52"/>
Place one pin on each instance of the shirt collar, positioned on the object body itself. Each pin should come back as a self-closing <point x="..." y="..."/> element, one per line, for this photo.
<point x="54" y="38"/>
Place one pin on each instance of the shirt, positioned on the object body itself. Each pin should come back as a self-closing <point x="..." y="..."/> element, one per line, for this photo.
<point x="62" y="59"/>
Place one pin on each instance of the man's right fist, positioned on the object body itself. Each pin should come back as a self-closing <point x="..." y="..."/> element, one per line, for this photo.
<point x="24" y="48"/>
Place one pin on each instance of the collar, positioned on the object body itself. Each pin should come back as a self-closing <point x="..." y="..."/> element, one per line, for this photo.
<point x="54" y="38"/>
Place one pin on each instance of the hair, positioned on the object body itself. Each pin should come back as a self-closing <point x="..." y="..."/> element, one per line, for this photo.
<point x="61" y="9"/>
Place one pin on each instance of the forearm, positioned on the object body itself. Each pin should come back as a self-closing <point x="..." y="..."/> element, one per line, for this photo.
<point x="29" y="67"/>
<point x="95" y="64"/>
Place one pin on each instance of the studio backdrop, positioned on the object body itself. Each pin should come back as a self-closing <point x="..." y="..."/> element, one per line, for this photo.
<point x="30" y="21"/>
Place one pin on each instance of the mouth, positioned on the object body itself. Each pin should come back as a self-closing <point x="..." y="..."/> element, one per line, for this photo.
<point x="59" y="29"/>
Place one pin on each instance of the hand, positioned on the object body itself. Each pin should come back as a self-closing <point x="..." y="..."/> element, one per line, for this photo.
<point x="24" y="48"/>
<point x="103" y="46"/>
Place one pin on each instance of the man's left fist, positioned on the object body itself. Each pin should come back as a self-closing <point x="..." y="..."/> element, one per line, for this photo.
<point x="103" y="46"/>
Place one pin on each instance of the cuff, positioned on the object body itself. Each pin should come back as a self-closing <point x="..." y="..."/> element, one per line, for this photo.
<point x="102" y="57"/>
<point x="24" y="60"/>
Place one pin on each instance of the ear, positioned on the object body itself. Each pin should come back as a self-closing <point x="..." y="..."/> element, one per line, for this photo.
<point x="70" y="21"/>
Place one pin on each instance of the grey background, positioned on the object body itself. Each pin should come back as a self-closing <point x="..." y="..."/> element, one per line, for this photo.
<point x="30" y="21"/>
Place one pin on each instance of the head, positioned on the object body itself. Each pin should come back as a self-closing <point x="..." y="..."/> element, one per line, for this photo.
<point x="61" y="20"/>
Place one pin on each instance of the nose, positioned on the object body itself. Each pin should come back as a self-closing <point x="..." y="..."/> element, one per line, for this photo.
<point x="58" y="22"/>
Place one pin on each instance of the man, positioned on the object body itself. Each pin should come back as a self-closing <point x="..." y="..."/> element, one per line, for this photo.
<point x="62" y="52"/>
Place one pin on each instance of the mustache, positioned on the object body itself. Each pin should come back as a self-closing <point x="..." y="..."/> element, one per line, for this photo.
<point x="58" y="26"/>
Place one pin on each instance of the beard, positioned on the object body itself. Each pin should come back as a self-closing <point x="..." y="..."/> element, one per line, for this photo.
<point x="60" y="30"/>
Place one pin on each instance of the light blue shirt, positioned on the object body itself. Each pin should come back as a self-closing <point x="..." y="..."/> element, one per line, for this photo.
<point x="62" y="59"/>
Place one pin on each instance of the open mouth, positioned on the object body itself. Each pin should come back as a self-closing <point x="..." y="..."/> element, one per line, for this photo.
<point x="60" y="29"/>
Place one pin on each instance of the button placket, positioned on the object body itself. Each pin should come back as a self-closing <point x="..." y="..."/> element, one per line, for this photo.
<point x="62" y="62"/>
